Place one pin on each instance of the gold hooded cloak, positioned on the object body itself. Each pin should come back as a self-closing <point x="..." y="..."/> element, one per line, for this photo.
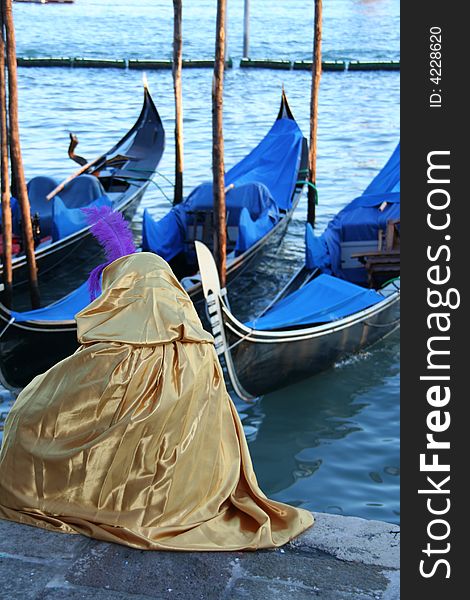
<point x="133" y="439"/>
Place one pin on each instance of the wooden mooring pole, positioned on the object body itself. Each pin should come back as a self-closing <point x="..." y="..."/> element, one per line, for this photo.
<point x="316" y="75"/>
<point x="15" y="153"/>
<point x="218" y="169"/>
<point x="246" y="29"/>
<point x="177" y="85"/>
<point x="5" y="175"/>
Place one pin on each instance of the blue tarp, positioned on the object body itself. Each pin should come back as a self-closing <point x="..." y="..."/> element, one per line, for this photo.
<point x="62" y="310"/>
<point x="251" y="231"/>
<point x="82" y="191"/>
<point x="66" y="221"/>
<point x="250" y="207"/>
<point x="274" y="162"/>
<point x="262" y="183"/>
<point x="388" y="179"/>
<point x="253" y="196"/>
<point x="359" y="221"/>
<point x="164" y="237"/>
<point x="323" y="300"/>
<point x="316" y="251"/>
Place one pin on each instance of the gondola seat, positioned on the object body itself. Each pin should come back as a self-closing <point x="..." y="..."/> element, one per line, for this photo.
<point x="67" y="215"/>
<point x="383" y="263"/>
<point x="251" y="213"/>
<point x="81" y="191"/>
<point x="38" y="188"/>
<point x="61" y="215"/>
<point x="166" y="236"/>
<point x="66" y="221"/>
<point x="200" y="226"/>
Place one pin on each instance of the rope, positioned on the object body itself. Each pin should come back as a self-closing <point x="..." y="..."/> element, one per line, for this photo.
<point x="252" y="329"/>
<point x="161" y="190"/>
<point x="389" y="281"/>
<point x="240" y="340"/>
<point x="312" y="185"/>
<point x="152" y="171"/>
<point x="149" y="179"/>
<point x="165" y="178"/>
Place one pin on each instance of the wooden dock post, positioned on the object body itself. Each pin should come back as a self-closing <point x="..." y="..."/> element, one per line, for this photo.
<point x="218" y="169"/>
<point x="15" y="153"/>
<point x="246" y="29"/>
<point x="177" y="85"/>
<point x="5" y="175"/>
<point x="316" y="75"/>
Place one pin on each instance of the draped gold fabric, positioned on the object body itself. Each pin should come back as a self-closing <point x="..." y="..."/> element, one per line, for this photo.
<point x="134" y="439"/>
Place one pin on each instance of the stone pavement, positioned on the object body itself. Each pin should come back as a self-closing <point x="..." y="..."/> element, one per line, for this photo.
<point x="339" y="558"/>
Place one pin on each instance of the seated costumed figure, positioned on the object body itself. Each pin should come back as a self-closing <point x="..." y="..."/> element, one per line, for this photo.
<point x="133" y="439"/>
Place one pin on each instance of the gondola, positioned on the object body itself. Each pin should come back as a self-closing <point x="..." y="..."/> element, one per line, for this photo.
<point x="262" y="192"/>
<point x="344" y="299"/>
<point x="118" y="178"/>
<point x="282" y="155"/>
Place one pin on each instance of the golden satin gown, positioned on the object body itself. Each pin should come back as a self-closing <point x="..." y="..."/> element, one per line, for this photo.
<point x="133" y="439"/>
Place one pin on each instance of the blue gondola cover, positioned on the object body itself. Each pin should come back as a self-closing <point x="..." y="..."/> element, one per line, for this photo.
<point x="250" y="230"/>
<point x="258" y="188"/>
<point x="323" y="300"/>
<point x="359" y="221"/>
<point x="253" y="196"/>
<point x="166" y="236"/>
<point x="64" y="309"/>
<point x="66" y="221"/>
<point x="274" y="162"/>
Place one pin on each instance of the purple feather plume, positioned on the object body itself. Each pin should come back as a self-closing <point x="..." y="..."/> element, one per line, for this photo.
<point x="114" y="234"/>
